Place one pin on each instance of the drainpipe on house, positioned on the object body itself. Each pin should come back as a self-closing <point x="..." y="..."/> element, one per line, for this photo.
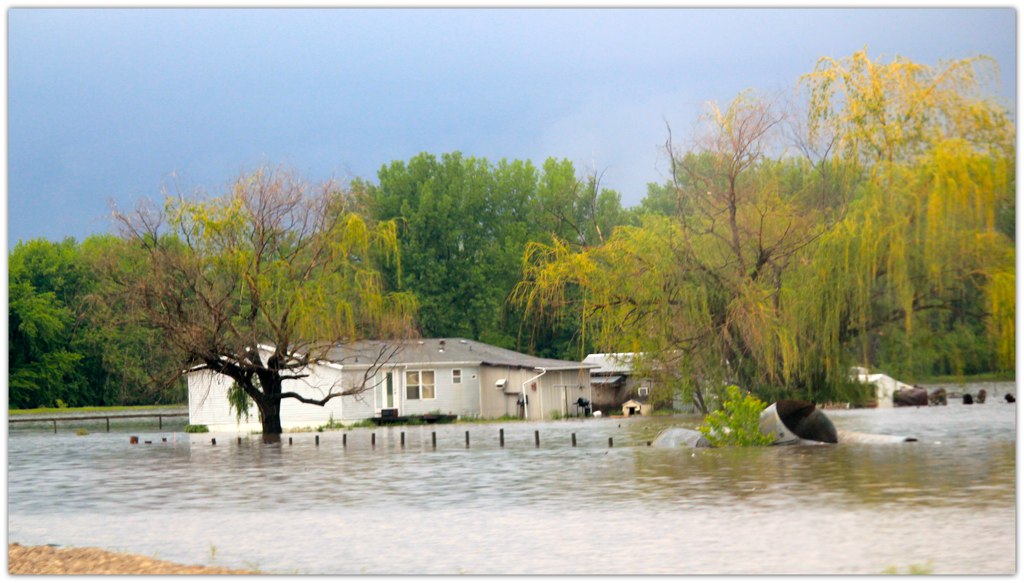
<point x="526" y="412"/>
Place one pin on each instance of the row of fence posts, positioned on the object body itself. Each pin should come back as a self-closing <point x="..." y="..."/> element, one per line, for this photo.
<point x="433" y="439"/>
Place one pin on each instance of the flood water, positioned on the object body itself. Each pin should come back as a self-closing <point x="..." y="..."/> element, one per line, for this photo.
<point x="946" y="504"/>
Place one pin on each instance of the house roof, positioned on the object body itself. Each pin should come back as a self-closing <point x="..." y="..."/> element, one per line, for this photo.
<point x="611" y="363"/>
<point x="436" y="351"/>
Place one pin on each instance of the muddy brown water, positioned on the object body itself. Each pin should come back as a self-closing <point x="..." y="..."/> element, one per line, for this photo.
<point x="945" y="504"/>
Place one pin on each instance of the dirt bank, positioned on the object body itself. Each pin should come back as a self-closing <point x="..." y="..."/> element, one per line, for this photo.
<point x="88" y="561"/>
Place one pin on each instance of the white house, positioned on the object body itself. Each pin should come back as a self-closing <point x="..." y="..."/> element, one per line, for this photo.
<point x="885" y="385"/>
<point x="441" y="375"/>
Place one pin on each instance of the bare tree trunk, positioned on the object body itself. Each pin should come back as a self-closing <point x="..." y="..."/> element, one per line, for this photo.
<point x="269" y="404"/>
<point x="271" y="419"/>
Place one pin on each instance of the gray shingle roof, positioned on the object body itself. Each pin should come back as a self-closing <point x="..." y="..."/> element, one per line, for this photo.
<point x="444" y="350"/>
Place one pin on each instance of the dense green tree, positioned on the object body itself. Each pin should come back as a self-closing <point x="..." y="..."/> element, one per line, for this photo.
<point x="463" y="224"/>
<point x="125" y="362"/>
<point x="67" y="344"/>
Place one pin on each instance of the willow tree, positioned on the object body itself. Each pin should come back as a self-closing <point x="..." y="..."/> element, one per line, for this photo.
<point x="699" y="293"/>
<point x="937" y="154"/>
<point x="275" y="263"/>
<point x="776" y="271"/>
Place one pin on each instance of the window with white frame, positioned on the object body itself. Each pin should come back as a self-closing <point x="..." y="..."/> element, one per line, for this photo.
<point x="419" y="384"/>
<point x="456" y="376"/>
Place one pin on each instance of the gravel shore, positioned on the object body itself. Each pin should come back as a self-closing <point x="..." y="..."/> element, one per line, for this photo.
<point x="47" y="560"/>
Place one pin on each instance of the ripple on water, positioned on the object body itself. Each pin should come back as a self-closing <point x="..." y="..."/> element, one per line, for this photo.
<point x="520" y="509"/>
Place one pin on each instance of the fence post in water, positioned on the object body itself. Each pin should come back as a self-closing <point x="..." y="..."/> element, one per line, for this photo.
<point x="213" y="441"/>
<point x="344" y="440"/>
<point x="239" y="441"/>
<point x="318" y="440"/>
<point x="609" y="442"/>
<point x="467" y="440"/>
<point x="289" y="441"/>
<point x="160" y="419"/>
<point x="501" y="437"/>
<point x="373" y="440"/>
<point x="403" y="440"/>
<point x="536" y="438"/>
<point x="433" y="439"/>
<point x="574" y="440"/>
<point x="55" y="426"/>
<point x="108" y="424"/>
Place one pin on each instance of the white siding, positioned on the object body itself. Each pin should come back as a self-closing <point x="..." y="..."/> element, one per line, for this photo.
<point x="449" y="398"/>
<point x="208" y="400"/>
<point x="556" y="391"/>
<point x="321" y="380"/>
<point x="470" y="391"/>
<point x="559" y="391"/>
<point x="208" y="403"/>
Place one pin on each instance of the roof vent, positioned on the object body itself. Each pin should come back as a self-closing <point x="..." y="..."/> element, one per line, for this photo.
<point x="463" y="342"/>
<point x="442" y="346"/>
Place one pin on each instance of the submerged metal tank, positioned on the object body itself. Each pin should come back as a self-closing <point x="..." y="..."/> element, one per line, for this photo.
<point x="790" y="422"/>
<point x="801" y="422"/>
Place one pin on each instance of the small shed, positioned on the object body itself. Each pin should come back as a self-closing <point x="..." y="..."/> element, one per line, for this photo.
<point x="635" y="407"/>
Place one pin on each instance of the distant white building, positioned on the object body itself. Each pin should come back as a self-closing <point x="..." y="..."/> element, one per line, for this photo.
<point x="885" y="385"/>
<point x="450" y="376"/>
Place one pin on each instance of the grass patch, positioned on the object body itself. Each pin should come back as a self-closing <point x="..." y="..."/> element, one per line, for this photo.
<point x="476" y="419"/>
<point x="51" y="410"/>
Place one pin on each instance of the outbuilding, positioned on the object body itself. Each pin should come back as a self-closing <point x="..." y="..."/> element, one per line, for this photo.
<point x="614" y="381"/>
<point x="637" y="407"/>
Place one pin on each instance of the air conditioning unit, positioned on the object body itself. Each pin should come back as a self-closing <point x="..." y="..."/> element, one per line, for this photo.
<point x="501" y="383"/>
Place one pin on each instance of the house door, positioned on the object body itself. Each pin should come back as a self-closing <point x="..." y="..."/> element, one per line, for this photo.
<point x="386" y="392"/>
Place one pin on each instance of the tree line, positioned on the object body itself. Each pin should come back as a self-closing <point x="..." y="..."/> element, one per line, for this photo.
<point x="872" y="224"/>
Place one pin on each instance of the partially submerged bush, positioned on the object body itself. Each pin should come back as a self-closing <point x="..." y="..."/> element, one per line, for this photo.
<point x="196" y="429"/>
<point x="736" y="423"/>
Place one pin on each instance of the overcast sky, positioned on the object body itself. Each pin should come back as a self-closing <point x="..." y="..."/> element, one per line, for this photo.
<point x="115" y="104"/>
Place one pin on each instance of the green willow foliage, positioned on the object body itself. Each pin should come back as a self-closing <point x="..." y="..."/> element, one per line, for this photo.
<point x="239" y="402"/>
<point x="758" y="267"/>
<point x="264" y="279"/>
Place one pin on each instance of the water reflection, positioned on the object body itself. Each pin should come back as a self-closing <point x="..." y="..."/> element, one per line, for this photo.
<point x="384" y="508"/>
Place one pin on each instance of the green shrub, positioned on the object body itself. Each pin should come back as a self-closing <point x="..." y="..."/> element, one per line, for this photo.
<point x="196" y="429"/>
<point x="736" y="423"/>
